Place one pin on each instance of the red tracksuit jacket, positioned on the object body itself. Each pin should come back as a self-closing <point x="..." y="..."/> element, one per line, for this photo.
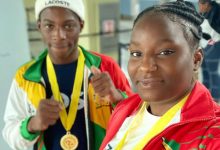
<point x="198" y="129"/>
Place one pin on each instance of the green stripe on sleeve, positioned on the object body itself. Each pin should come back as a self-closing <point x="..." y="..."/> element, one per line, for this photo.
<point x="24" y="130"/>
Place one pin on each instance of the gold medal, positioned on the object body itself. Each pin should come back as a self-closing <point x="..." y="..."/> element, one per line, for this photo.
<point x="69" y="142"/>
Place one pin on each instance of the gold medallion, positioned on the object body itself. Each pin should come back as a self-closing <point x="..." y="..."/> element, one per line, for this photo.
<point x="69" y="142"/>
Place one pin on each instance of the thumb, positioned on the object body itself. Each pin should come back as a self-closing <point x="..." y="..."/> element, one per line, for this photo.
<point x="95" y="70"/>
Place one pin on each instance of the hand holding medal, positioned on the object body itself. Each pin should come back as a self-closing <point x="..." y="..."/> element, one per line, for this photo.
<point x="47" y="114"/>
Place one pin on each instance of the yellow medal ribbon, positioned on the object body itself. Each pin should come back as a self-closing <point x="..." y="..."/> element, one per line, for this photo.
<point x="157" y="128"/>
<point x="67" y="119"/>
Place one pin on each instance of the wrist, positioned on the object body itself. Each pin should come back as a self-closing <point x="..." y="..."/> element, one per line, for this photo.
<point x="30" y="126"/>
<point x="25" y="132"/>
<point x="117" y="96"/>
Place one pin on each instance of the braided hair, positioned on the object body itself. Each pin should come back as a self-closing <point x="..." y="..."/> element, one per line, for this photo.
<point x="182" y="13"/>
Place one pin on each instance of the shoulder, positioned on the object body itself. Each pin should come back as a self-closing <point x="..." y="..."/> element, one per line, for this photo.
<point x="23" y="68"/>
<point x="129" y="105"/>
<point x="104" y="57"/>
<point x="107" y="63"/>
<point x="124" y="109"/>
<point x="213" y="135"/>
<point x="215" y="4"/>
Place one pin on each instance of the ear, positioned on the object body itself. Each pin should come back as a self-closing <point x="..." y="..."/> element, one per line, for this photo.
<point x="81" y="25"/>
<point x="38" y="25"/>
<point x="198" y="58"/>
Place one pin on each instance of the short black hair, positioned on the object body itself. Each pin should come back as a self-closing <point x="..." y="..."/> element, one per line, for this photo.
<point x="205" y="1"/>
<point x="182" y="13"/>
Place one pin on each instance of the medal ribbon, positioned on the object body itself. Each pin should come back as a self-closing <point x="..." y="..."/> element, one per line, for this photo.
<point x="67" y="119"/>
<point x="157" y="128"/>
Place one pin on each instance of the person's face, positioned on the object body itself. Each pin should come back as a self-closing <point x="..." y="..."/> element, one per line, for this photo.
<point x="161" y="62"/>
<point x="203" y="8"/>
<point x="60" y="29"/>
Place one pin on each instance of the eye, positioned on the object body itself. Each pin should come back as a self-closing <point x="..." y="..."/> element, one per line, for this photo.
<point x="69" y="26"/>
<point x="135" y="54"/>
<point x="166" y="52"/>
<point x="48" y="26"/>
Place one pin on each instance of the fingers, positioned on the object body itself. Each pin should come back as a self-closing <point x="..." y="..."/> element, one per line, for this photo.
<point x="101" y="82"/>
<point x="98" y="77"/>
<point x="95" y="71"/>
<point x="47" y="114"/>
<point x="103" y="85"/>
<point x="104" y="92"/>
<point x="51" y="105"/>
<point x="50" y="109"/>
<point x="101" y="79"/>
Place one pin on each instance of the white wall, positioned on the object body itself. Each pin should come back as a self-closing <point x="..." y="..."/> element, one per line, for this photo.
<point x="13" y="49"/>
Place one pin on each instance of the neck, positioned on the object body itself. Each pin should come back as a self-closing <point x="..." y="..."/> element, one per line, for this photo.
<point x="64" y="59"/>
<point x="159" y="108"/>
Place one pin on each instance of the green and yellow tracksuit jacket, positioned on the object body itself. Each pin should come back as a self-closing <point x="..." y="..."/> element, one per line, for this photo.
<point x="28" y="88"/>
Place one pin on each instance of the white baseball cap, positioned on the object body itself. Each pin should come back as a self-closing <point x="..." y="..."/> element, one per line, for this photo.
<point x="76" y="6"/>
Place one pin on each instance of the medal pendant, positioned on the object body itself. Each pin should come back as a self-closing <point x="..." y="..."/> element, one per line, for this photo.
<point x="69" y="142"/>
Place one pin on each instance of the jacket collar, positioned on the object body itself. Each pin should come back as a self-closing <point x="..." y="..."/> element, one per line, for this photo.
<point x="200" y="104"/>
<point x="33" y="73"/>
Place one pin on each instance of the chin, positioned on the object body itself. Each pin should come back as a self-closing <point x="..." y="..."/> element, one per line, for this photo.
<point x="151" y="95"/>
<point x="61" y="51"/>
<point x="148" y="96"/>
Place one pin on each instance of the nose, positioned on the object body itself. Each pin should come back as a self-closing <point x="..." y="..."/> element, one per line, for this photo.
<point x="148" y="64"/>
<point x="59" y="34"/>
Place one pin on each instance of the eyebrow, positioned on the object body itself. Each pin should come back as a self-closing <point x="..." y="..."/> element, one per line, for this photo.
<point x="164" y="40"/>
<point x="48" y="20"/>
<point x="133" y="43"/>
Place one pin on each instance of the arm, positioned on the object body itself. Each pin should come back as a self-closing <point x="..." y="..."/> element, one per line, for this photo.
<point x="15" y="113"/>
<point x="23" y="125"/>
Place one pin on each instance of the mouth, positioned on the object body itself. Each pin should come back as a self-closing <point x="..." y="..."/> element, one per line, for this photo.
<point x="149" y="83"/>
<point x="59" y="46"/>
